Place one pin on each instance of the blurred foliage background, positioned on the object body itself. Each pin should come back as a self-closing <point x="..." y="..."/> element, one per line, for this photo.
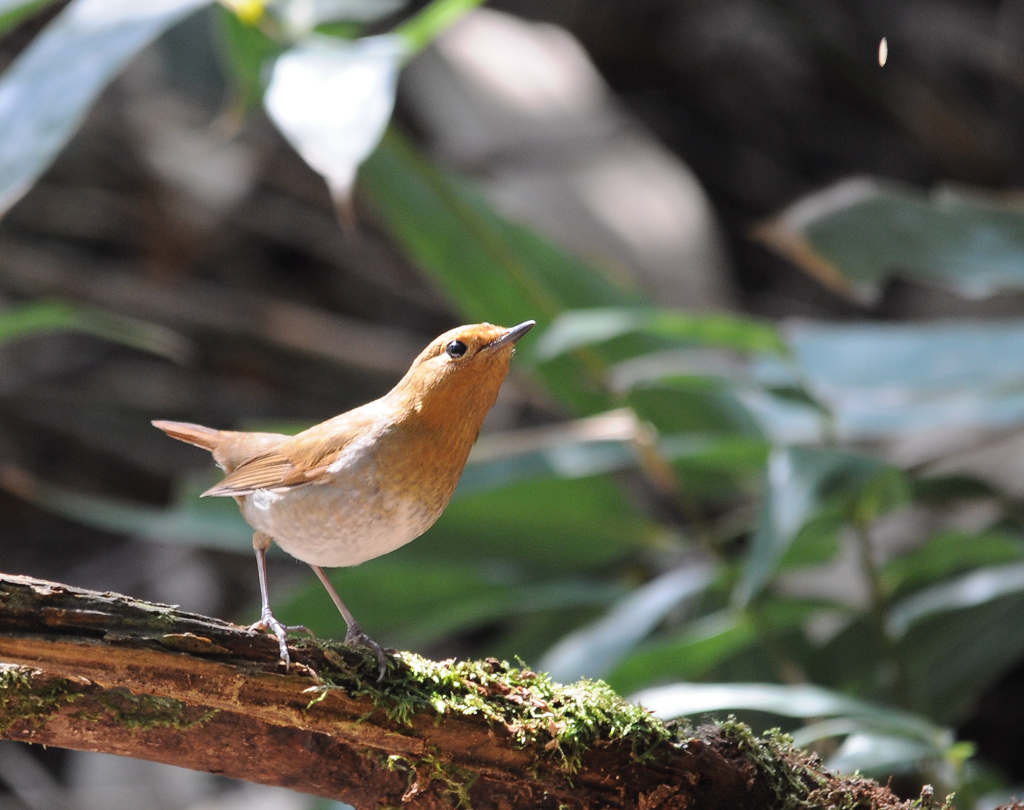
<point x="762" y="455"/>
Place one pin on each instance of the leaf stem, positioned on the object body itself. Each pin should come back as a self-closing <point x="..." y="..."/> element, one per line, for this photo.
<point x="422" y="28"/>
<point x="879" y="606"/>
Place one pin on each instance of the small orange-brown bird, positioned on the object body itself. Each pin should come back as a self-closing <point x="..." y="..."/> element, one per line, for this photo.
<point x="370" y="480"/>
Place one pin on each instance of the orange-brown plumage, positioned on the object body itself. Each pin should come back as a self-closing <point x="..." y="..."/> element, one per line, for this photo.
<point x="372" y="479"/>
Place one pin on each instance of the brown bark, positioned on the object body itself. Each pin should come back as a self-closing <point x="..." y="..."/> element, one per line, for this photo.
<point x="102" y="672"/>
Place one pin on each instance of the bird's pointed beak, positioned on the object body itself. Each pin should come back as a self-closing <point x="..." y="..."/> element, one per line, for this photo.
<point x="512" y="335"/>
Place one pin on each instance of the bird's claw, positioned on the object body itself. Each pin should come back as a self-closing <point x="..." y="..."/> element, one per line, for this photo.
<point x="269" y="624"/>
<point x="355" y="637"/>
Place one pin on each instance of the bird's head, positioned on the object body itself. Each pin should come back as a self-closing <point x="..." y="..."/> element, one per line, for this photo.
<point x="460" y="371"/>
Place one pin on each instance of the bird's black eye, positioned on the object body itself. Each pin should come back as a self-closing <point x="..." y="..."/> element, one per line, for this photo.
<point x="455" y="349"/>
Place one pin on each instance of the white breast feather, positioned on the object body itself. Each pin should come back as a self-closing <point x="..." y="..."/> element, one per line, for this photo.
<point x="353" y="451"/>
<point x="263" y="499"/>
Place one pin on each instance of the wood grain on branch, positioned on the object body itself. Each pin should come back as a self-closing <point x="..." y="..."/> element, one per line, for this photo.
<point x="102" y="672"/>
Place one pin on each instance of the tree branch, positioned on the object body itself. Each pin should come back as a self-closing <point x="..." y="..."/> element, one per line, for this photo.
<point x="102" y="672"/>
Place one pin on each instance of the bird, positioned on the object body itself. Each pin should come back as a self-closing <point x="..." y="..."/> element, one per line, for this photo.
<point x="368" y="481"/>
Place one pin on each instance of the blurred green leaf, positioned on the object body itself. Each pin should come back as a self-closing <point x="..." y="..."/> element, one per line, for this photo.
<point x="707" y="463"/>
<point x="574" y="330"/>
<point x="715" y="450"/>
<point x="800" y="482"/>
<point x="884" y="380"/>
<point x="410" y="601"/>
<point x="803" y="701"/>
<point x="12" y="12"/>
<point x="592" y="651"/>
<point x="853" y="660"/>
<point x="720" y="468"/>
<point x="943" y="490"/>
<point x="817" y="542"/>
<point x="880" y="738"/>
<point x="246" y="50"/>
<point x="701" y="645"/>
<point x="575" y="449"/>
<point x="952" y="657"/>
<point x="46" y="92"/>
<point x="52" y="316"/>
<point x="957" y="638"/>
<point x="880" y="494"/>
<point x="340" y="29"/>
<point x="569" y="460"/>
<point x="881" y="755"/>
<point x="884" y="721"/>
<point x="568" y="525"/>
<point x="976" y="588"/>
<point x="947" y="554"/>
<point x="858" y="233"/>
<point x="701" y="409"/>
<point x="298" y="19"/>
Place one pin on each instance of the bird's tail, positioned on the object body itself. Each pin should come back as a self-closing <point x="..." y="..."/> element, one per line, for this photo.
<point x="207" y="438"/>
<point x="229" y="447"/>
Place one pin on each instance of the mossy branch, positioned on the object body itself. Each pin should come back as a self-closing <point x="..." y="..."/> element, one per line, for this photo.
<point x="102" y="672"/>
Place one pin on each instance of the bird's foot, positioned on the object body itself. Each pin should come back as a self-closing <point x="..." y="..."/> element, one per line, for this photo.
<point x="355" y="637"/>
<point x="269" y="624"/>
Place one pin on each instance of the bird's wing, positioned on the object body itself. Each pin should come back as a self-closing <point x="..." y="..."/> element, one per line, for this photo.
<point x="300" y="459"/>
<point x="268" y="471"/>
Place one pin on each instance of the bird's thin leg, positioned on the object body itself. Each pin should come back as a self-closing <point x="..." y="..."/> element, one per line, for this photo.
<point x="354" y="634"/>
<point x="260" y="543"/>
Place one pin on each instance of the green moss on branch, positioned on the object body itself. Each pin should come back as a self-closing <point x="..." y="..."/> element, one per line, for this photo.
<point x="558" y="723"/>
<point x="23" y="699"/>
<point x="146" y="712"/>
